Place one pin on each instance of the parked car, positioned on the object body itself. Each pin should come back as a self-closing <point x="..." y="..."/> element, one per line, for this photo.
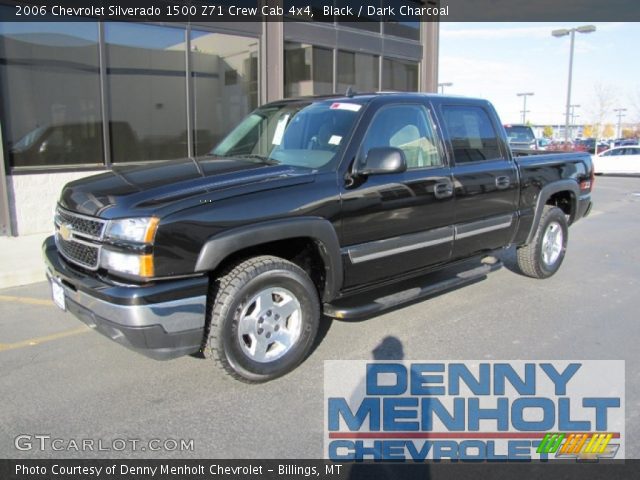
<point x="543" y="143"/>
<point x="72" y="143"/>
<point x="561" y="146"/>
<point x="588" y="145"/>
<point x="306" y="208"/>
<point x="521" y="137"/>
<point x="624" y="160"/>
<point x="623" y="142"/>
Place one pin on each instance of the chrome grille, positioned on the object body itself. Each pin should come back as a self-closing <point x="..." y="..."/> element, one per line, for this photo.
<point x="79" y="253"/>
<point x="90" y="227"/>
<point x="78" y="237"/>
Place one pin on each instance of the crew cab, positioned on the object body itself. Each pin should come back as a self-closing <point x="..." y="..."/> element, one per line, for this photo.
<point x="307" y="205"/>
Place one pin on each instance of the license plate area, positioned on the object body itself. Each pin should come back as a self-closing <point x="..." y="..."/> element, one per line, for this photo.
<point x="57" y="293"/>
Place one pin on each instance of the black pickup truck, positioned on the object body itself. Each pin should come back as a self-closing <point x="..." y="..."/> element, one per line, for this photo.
<point x="304" y="206"/>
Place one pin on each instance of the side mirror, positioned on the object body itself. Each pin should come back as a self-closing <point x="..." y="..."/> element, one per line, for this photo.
<point x="381" y="160"/>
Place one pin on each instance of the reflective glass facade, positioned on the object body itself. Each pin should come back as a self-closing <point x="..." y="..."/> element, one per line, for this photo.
<point x="84" y="96"/>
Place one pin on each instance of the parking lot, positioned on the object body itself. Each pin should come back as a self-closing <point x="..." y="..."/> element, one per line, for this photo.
<point x="61" y="379"/>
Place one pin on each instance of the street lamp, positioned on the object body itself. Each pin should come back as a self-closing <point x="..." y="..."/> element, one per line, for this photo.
<point x="573" y="117"/>
<point x="445" y="84"/>
<point x="572" y="32"/>
<point x="524" y="96"/>
<point x="620" y="114"/>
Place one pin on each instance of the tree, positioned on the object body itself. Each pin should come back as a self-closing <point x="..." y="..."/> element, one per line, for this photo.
<point x="628" y="133"/>
<point x="609" y="131"/>
<point x="601" y="107"/>
<point x="547" y="132"/>
<point x="587" y="131"/>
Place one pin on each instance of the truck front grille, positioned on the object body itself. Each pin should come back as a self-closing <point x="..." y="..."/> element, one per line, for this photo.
<point x="81" y="224"/>
<point x="78" y="238"/>
<point x="79" y="253"/>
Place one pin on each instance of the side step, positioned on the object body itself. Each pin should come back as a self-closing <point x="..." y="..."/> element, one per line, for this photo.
<point x="351" y="308"/>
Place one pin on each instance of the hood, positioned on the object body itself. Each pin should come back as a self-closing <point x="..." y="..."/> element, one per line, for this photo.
<point x="145" y="189"/>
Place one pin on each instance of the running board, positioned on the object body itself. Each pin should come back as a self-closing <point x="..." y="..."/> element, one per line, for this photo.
<point x="345" y="309"/>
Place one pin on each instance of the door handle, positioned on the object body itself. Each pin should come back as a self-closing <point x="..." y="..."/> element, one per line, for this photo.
<point x="443" y="190"/>
<point x="503" y="182"/>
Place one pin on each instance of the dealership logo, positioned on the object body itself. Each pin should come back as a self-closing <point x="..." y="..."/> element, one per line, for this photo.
<point x="581" y="446"/>
<point x="474" y="410"/>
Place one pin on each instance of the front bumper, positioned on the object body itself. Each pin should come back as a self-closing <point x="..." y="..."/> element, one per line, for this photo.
<point x="161" y="320"/>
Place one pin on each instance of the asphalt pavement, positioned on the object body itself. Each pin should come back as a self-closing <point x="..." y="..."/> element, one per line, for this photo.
<point x="61" y="380"/>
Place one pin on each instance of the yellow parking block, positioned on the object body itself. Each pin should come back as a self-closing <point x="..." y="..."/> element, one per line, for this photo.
<point x="26" y="300"/>
<point x="31" y="342"/>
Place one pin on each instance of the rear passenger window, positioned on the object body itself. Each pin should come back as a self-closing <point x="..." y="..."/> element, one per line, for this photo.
<point x="471" y="133"/>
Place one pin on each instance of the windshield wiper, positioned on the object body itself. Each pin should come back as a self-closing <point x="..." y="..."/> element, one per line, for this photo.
<point x="262" y="158"/>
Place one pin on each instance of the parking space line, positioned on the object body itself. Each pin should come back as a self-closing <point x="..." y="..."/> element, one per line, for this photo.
<point x="26" y="300"/>
<point x="31" y="342"/>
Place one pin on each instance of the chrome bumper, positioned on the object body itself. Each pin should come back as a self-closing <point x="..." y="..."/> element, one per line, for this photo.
<point x="135" y="316"/>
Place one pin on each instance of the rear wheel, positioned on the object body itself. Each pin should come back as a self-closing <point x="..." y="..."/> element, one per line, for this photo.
<point x="264" y="318"/>
<point x="544" y="255"/>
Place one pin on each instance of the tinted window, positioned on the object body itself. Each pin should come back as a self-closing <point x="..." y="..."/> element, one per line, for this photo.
<point x="357" y="70"/>
<point x="225" y="84"/>
<point x="146" y="77"/>
<point x="308" y="70"/>
<point x="399" y="75"/>
<point x="471" y="133"/>
<point x="50" y="89"/>
<point x="408" y="128"/>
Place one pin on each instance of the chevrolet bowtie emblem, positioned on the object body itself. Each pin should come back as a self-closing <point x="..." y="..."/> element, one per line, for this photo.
<point x="65" y="232"/>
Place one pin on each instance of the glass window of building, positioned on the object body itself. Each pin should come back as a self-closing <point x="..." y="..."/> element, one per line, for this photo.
<point x="358" y="70"/>
<point x="308" y="70"/>
<point x="225" y="84"/>
<point x="405" y="26"/>
<point x="50" y="89"/>
<point x="369" y="18"/>
<point x="399" y="75"/>
<point x="146" y="78"/>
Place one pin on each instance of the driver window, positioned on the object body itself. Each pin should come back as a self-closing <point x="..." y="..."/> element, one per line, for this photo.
<point x="406" y="127"/>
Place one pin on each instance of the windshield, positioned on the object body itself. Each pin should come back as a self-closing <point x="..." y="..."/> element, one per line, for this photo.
<point x="306" y="136"/>
<point x="520" y="134"/>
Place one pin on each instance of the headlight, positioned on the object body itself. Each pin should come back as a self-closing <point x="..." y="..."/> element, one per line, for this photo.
<point x="141" y="230"/>
<point x="127" y="263"/>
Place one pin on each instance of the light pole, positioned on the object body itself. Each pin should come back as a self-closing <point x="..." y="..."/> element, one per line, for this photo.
<point x="620" y="114"/>
<point x="445" y="84"/>
<point x="573" y="117"/>
<point x="572" y="32"/>
<point x="524" y="96"/>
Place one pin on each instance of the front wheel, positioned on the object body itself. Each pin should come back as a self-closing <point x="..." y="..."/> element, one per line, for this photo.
<point x="264" y="318"/>
<point x="544" y="255"/>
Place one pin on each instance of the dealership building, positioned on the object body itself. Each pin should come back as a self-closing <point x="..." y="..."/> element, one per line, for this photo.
<point x="77" y="98"/>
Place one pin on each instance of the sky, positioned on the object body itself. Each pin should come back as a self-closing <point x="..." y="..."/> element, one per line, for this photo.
<point x="497" y="60"/>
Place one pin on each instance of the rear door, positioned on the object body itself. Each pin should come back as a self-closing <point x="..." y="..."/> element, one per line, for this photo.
<point x="485" y="178"/>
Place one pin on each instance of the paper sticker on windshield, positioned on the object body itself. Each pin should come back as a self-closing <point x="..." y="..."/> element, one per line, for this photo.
<point x="354" y="107"/>
<point x="280" y="128"/>
<point x="335" y="140"/>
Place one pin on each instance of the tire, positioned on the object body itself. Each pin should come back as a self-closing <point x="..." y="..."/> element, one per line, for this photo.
<point x="264" y="316"/>
<point x="544" y="255"/>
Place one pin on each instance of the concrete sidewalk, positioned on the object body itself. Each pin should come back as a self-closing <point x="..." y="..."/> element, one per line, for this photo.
<point x="21" y="260"/>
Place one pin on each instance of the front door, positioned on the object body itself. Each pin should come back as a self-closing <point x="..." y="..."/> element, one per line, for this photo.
<point x="399" y="222"/>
